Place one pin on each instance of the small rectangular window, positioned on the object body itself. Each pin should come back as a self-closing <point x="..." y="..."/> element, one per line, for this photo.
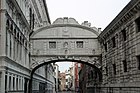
<point x="105" y="47"/>
<point x="52" y="45"/>
<point x="138" y="60"/>
<point x="113" y="42"/>
<point x="106" y="70"/>
<point x="137" y="21"/>
<point x="114" y="69"/>
<point x="79" y="44"/>
<point x="124" y="34"/>
<point x="125" y="65"/>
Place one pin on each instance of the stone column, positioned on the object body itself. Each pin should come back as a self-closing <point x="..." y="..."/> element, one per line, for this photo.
<point x="2" y="82"/>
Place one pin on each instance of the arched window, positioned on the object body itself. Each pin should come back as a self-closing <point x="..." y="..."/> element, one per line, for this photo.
<point x="11" y="27"/>
<point x="15" y="31"/>
<point x="7" y="23"/>
<point x="88" y="76"/>
<point x="92" y="74"/>
<point x="20" y="38"/>
<point x="18" y="35"/>
<point x="23" y="40"/>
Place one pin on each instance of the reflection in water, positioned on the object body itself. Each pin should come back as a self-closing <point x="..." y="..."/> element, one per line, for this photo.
<point x="76" y="78"/>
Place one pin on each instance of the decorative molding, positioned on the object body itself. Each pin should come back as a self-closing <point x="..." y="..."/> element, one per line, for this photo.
<point x="92" y="60"/>
<point x="63" y="25"/>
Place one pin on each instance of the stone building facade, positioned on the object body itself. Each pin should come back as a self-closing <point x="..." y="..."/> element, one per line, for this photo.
<point x="88" y="79"/>
<point x="120" y="44"/>
<point x="17" y="20"/>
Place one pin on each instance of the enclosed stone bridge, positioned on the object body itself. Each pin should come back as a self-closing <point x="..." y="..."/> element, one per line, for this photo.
<point x="65" y="41"/>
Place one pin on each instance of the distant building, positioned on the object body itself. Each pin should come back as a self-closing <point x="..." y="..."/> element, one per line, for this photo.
<point x="83" y="78"/>
<point x="56" y="75"/>
<point x="88" y="79"/>
<point x="68" y="80"/>
<point x="76" y="75"/>
<point x="62" y="78"/>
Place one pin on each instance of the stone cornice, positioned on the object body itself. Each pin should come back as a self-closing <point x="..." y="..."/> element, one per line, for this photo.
<point x="64" y="25"/>
<point x="126" y="14"/>
<point x="5" y="58"/>
<point x="47" y="13"/>
<point x="65" y="55"/>
<point x="59" y="38"/>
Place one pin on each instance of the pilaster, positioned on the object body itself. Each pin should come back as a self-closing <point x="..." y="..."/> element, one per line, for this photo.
<point x="2" y="4"/>
<point x="2" y="82"/>
<point x="2" y="32"/>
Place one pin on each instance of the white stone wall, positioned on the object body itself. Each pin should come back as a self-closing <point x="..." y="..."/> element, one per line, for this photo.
<point x="14" y="44"/>
<point x="41" y="47"/>
<point x="62" y="33"/>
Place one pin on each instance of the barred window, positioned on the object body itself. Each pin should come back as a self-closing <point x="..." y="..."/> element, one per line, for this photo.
<point x="125" y="65"/>
<point x="52" y="45"/>
<point x="113" y="42"/>
<point x="79" y="44"/>
<point x="105" y="47"/>
<point x="138" y="60"/>
<point x="114" y="69"/>
<point x="137" y="21"/>
<point x="106" y="70"/>
<point x="124" y="34"/>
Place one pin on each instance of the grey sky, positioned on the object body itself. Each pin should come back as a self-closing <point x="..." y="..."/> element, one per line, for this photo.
<point x="98" y="12"/>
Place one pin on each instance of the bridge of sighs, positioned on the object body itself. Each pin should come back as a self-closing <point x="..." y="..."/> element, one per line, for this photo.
<point x="65" y="40"/>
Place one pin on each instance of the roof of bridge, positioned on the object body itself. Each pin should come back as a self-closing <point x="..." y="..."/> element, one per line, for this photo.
<point x="67" y="22"/>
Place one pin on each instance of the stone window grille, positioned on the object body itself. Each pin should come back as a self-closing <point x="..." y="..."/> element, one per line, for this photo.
<point x="52" y="45"/>
<point x="65" y="45"/>
<point x="79" y="44"/>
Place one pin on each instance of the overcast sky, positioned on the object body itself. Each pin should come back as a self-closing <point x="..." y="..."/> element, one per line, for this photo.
<point x="63" y="66"/>
<point x="98" y="12"/>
